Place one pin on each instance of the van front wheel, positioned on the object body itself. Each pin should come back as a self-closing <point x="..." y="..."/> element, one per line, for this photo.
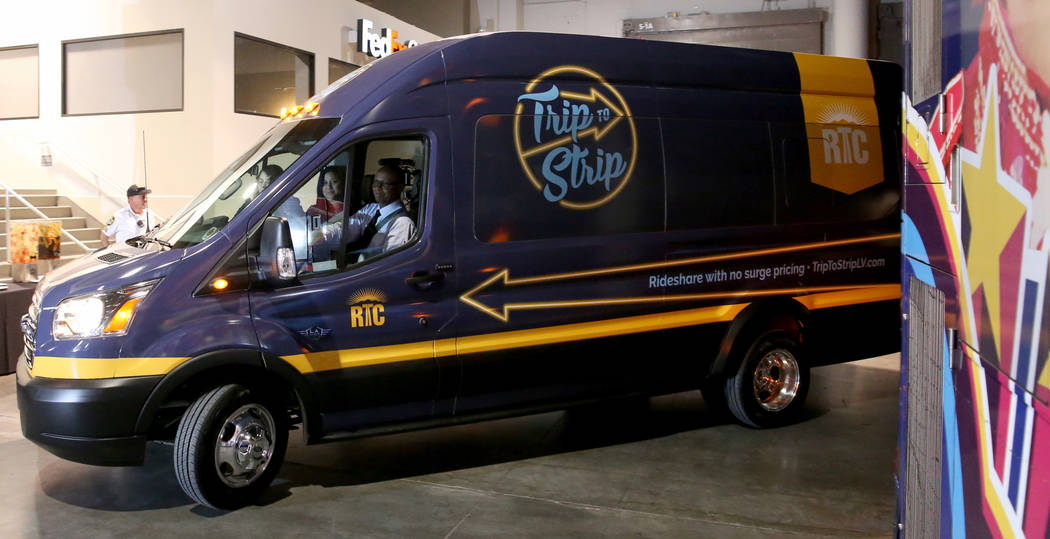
<point x="771" y="383"/>
<point x="229" y="446"/>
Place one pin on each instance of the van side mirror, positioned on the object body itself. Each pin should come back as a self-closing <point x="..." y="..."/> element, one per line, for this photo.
<point x="276" y="254"/>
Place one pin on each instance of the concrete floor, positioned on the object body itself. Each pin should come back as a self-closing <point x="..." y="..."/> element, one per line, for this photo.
<point x="660" y="468"/>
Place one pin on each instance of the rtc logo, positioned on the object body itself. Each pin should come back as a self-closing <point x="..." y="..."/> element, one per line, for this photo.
<point x="845" y="153"/>
<point x="366" y="308"/>
<point x="578" y="148"/>
<point x="845" y="145"/>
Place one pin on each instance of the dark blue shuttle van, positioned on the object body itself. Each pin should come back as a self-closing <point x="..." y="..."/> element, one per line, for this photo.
<point x="561" y="219"/>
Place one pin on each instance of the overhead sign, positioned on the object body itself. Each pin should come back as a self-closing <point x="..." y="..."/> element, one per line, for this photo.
<point x="379" y="44"/>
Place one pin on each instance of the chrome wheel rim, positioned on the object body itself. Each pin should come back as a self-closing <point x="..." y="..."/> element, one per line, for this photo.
<point x="245" y="445"/>
<point x="776" y="380"/>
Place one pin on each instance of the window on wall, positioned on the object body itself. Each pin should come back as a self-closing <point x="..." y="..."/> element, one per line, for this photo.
<point x="338" y="68"/>
<point x="269" y="76"/>
<point x="20" y="84"/>
<point x="123" y="74"/>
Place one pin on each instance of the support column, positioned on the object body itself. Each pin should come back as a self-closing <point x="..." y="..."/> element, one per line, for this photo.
<point x="849" y="28"/>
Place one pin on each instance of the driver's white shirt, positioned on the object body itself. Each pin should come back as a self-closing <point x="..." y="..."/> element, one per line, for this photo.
<point x="126" y="224"/>
<point x="391" y="235"/>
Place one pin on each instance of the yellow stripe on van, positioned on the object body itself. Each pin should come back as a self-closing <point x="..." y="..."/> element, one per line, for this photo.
<point x="868" y="294"/>
<point x="360" y="357"/>
<point x="842" y="122"/>
<point x="819" y="74"/>
<point x="660" y="321"/>
<point x="80" y="368"/>
<point x="505" y="340"/>
<point x="97" y="368"/>
<point x="508" y="340"/>
<point x="594" y="330"/>
<point x="836" y="90"/>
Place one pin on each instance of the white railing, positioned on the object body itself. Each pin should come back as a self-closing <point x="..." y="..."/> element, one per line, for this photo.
<point x="79" y="167"/>
<point x="8" y="193"/>
<point x="105" y="189"/>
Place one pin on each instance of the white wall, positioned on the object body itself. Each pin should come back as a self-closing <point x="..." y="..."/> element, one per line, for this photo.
<point x="185" y="149"/>
<point x="442" y="17"/>
<point x="605" y="17"/>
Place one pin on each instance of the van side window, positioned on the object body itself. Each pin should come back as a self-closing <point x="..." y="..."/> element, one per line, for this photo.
<point x="362" y="204"/>
<point x="388" y="184"/>
<point x="535" y="178"/>
<point x="719" y="173"/>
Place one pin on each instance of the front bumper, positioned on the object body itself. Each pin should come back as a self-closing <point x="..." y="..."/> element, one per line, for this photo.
<point x="87" y="421"/>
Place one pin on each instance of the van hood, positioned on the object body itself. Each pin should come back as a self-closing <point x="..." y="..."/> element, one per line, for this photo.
<point x="111" y="267"/>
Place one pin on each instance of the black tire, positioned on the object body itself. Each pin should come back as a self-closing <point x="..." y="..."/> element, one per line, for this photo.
<point x="774" y="395"/>
<point x="238" y="415"/>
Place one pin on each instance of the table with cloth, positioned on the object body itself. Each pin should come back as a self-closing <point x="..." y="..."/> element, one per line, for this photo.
<point x="14" y="302"/>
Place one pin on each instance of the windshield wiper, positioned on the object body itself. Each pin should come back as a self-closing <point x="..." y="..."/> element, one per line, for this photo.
<point x="158" y="241"/>
<point x="141" y="241"/>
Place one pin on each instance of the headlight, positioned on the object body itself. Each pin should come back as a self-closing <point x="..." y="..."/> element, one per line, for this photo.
<point x="79" y="317"/>
<point x="103" y="314"/>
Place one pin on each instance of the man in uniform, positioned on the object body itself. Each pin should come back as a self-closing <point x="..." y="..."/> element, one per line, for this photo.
<point x="133" y="220"/>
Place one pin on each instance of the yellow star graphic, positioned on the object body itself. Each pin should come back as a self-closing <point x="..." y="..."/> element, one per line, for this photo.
<point x="994" y="214"/>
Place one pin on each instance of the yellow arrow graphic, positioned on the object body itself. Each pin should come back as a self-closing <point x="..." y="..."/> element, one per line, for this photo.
<point x="594" y="96"/>
<point x="504" y="276"/>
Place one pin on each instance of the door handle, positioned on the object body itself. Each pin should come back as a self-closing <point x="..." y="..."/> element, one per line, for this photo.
<point x="424" y="279"/>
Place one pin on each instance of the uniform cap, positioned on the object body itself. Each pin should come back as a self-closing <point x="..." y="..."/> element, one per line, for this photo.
<point x="135" y="190"/>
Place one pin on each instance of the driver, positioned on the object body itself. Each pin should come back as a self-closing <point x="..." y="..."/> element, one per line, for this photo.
<point x="383" y="225"/>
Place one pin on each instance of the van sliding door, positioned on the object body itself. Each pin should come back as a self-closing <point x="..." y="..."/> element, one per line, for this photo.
<point x="550" y="309"/>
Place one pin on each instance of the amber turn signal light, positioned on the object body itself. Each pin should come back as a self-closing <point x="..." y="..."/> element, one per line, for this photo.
<point x="120" y="319"/>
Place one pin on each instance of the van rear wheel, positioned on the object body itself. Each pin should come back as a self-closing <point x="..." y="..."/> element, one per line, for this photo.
<point x="771" y="382"/>
<point x="229" y="446"/>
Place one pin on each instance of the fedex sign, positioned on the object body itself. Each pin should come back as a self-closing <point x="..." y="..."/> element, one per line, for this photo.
<point x="381" y="43"/>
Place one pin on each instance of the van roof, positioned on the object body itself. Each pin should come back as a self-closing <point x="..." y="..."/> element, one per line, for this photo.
<point x="408" y="83"/>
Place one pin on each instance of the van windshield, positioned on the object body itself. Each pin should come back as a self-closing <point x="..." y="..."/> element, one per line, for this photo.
<point x="231" y="191"/>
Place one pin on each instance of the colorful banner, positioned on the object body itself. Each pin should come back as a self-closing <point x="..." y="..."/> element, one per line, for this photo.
<point x="30" y="241"/>
<point x="977" y="201"/>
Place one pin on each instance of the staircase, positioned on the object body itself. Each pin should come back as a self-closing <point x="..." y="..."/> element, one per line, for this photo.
<point x="57" y="208"/>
